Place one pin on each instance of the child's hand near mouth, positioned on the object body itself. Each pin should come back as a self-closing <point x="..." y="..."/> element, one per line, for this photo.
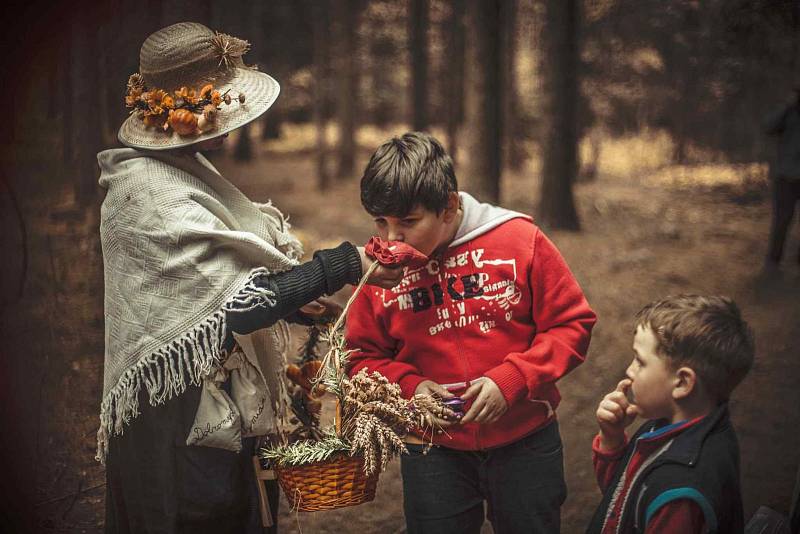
<point x="614" y="414"/>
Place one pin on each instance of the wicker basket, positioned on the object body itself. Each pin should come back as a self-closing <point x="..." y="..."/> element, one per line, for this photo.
<point x="334" y="483"/>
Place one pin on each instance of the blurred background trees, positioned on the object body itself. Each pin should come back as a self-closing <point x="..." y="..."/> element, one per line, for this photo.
<point x="533" y="99"/>
<point x="505" y="80"/>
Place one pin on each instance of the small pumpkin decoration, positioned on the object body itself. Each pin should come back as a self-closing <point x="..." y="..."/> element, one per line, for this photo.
<point x="183" y="121"/>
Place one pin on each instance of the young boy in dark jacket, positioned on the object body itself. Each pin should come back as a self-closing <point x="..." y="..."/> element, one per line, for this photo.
<point x="496" y="316"/>
<point x="680" y="471"/>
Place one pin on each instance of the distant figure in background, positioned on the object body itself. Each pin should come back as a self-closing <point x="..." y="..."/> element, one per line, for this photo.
<point x="785" y="174"/>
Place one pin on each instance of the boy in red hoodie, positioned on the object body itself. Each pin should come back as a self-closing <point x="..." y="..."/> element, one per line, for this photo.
<point x="496" y="316"/>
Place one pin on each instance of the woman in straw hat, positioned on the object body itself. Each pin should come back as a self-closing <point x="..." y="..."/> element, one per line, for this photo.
<point x="198" y="283"/>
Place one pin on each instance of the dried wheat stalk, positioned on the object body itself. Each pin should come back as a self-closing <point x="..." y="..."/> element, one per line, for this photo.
<point x="374" y="417"/>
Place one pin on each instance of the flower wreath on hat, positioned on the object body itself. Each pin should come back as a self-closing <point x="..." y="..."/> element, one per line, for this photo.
<point x="186" y="111"/>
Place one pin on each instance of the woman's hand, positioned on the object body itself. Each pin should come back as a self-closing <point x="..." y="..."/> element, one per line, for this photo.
<point x="385" y="277"/>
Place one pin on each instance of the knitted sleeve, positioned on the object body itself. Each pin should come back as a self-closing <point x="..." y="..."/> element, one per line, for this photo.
<point x="564" y="322"/>
<point x="328" y="272"/>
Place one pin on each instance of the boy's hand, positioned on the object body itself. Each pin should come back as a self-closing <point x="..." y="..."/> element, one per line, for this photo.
<point x="489" y="402"/>
<point x="385" y="277"/>
<point x="615" y="413"/>
<point x="429" y="387"/>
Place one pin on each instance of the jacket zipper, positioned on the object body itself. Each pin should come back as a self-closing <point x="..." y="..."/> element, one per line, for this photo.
<point x="452" y="308"/>
<point x="635" y="489"/>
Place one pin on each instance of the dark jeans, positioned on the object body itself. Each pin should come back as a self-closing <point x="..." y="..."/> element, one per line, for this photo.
<point x="523" y="484"/>
<point x="785" y="195"/>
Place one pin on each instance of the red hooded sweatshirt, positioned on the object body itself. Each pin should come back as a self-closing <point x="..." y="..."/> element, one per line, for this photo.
<point x="500" y="302"/>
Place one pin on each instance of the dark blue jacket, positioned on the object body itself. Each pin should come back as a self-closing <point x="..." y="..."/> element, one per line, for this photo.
<point x="701" y="464"/>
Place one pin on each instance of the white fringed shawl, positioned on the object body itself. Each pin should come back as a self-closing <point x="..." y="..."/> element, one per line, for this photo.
<point x="180" y="244"/>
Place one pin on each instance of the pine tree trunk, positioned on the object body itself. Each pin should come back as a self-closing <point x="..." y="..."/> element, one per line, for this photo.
<point x="513" y="151"/>
<point x="173" y="11"/>
<point x="66" y="103"/>
<point x="484" y="112"/>
<point x="346" y="15"/>
<point x="244" y="26"/>
<point x="86" y="129"/>
<point x="383" y="51"/>
<point x="243" y="151"/>
<point x="274" y="58"/>
<point x="418" y="45"/>
<point x="321" y="31"/>
<point x="455" y="79"/>
<point x="559" y="147"/>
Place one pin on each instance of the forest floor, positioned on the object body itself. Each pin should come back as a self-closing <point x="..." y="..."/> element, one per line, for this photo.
<point x="648" y="230"/>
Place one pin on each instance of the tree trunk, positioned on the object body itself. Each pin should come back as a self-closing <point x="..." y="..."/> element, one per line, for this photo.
<point x="455" y="80"/>
<point x="245" y="26"/>
<point x="513" y="151"/>
<point x="559" y="147"/>
<point x="274" y="58"/>
<point x="484" y="98"/>
<point x="111" y="83"/>
<point x="67" y="118"/>
<point x="173" y="11"/>
<point x="243" y="151"/>
<point x="383" y="51"/>
<point x="87" y="129"/>
<point x="346" y="15"/>
<point x="321" y="32"/>
<point x="418" y="46"/>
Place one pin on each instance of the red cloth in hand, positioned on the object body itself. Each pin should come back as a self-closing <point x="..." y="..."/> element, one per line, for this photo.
<point x="394" y="253"/>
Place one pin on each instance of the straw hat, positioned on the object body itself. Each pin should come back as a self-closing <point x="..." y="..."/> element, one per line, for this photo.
<point x="191" y="56"/>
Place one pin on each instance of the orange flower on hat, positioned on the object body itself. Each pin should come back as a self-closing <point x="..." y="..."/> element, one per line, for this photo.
<point x="155" y="101"/>
<point x="130" y="99"/>
<point x="216" y="98"/>
<point x="155" y="97"/>
<point x="168" y="102"/>
<point x="188" y="95"/>
<point x="207" y="88"/>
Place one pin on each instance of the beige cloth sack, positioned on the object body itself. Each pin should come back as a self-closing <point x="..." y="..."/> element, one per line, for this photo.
<point x="217" y="422"/>
<point x="249" y="390"/>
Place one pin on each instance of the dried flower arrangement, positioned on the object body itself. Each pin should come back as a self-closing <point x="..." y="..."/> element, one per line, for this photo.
<point x="371" y="420"/>
<point x="187" y="112"/>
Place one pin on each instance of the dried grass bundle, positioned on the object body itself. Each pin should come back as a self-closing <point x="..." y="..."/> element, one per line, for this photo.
<point x="372" y="416"/>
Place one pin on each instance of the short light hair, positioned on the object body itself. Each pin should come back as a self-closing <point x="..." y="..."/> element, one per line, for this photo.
<point x="705" y="333"/>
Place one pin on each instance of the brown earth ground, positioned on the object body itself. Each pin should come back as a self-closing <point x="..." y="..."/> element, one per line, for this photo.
<point x="649" y="230"/>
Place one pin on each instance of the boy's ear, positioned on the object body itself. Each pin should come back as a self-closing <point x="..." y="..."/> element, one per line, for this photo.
<point x="453" y="203"/>
<point x="685" y="383"/>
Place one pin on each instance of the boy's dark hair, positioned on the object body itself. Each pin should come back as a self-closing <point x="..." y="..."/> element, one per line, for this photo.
<point x="706" y="333"/>
<point x="405" y="172"/>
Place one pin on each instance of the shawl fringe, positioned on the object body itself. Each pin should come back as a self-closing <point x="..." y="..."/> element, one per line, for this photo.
<point x="166" y="372"/>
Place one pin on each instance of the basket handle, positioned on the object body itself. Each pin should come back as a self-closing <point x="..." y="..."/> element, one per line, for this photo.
<point x="332" y="354"/>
